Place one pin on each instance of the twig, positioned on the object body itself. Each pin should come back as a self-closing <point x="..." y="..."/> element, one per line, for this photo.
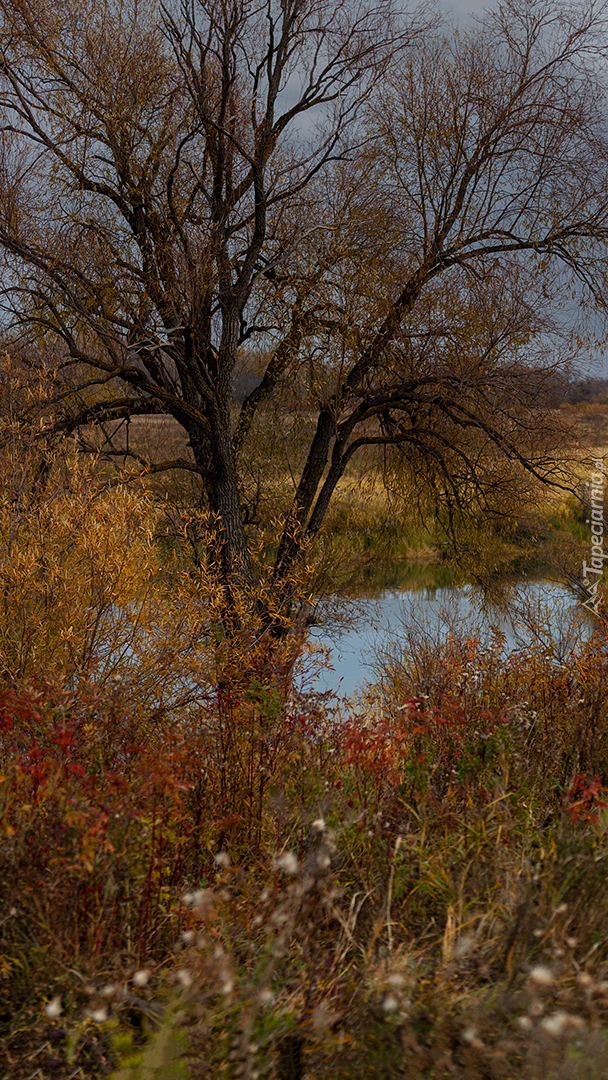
<point x="389" y="897"/>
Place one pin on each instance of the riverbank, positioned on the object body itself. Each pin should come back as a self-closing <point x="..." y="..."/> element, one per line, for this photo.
<point x="375" y="538"/>
<point x="366" y="548"/>
<point x="204" y="873"/>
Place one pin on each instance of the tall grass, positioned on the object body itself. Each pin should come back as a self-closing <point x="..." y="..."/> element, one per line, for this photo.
<point x="204" y="873"/>
<point x="414" y="886"/>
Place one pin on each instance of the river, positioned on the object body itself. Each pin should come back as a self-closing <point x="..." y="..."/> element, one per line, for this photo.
<point x="541" y="613"/>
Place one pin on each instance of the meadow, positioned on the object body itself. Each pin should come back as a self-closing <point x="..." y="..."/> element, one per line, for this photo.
<point x="206" y="874"/>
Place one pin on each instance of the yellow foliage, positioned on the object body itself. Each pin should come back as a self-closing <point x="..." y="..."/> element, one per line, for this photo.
<point x="94" y="589"/>
<point x="85" y="592"/>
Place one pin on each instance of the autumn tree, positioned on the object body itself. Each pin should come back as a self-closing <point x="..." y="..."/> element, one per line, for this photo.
<point x="385" y="212"/>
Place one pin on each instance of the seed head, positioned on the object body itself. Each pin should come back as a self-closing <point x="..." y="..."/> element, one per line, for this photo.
<point x="463" y="946"/>
<point x="390" y="1003"/>
<point x="541" y="975"/>
<point x="288" y="863"/>
<point x="197" y="898"/>
<point x="470" y="1036"/>
<point x="555" y="1024"/>
<point x="53" y="1007"/>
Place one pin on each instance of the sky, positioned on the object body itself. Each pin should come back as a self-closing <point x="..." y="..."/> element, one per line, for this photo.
<point x="461" y="10"/>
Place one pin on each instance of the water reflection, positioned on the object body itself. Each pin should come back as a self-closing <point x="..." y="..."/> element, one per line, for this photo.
<point x="544" y="614"/>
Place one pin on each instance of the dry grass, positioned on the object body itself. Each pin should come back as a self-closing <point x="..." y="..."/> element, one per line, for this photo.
<point x="425" y="898"/>
<point x="245" y="883"/>
<point x="370" y="536"/>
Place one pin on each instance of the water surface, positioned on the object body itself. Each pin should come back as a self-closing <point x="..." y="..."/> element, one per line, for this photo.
<point x="541" y="613"/>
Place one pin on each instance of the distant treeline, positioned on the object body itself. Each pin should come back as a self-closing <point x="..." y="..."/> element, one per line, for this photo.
<point x="587" y="389"/>
<point x="560" y="391"/>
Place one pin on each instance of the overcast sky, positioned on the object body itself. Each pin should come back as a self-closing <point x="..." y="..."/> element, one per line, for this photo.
<point x="461" y="10"/>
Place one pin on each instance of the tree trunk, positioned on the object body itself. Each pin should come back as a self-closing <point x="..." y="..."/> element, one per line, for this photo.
<point x="227" y="542"/>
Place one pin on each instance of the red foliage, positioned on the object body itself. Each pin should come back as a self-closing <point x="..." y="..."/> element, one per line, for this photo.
<point x="93" y="826"/>
<point x="582" y="799"/>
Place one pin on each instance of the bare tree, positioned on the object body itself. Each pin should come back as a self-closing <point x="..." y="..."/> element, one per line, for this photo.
<point x="386" y="209"/>
<point x="482" y="209"/>
<point x="148" y="157"/>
